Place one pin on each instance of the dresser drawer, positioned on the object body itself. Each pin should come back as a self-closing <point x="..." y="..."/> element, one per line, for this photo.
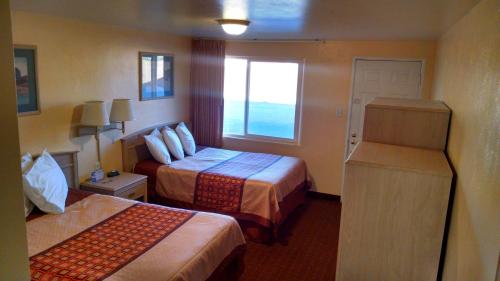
<point x="136" y="191"/>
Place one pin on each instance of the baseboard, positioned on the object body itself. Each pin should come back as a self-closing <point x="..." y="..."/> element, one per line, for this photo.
<point x="320" y="195"/>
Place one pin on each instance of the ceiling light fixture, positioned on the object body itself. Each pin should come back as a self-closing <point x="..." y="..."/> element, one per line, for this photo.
<point x="234" y="27"/>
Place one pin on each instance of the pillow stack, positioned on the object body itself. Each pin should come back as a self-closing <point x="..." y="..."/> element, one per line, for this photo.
<point x="178" y="142"/>
<point x="44" y="184"/>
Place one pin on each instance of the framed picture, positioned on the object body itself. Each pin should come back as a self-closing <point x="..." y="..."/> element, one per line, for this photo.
<point x="26" y="80"/>
<point x="156" y="75"/>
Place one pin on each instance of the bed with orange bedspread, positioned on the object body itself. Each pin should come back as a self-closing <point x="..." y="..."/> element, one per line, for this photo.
<point x="258" y="189"/>
<point x="102" y="237"/>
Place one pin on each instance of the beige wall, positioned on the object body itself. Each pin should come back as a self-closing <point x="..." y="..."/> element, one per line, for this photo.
<point x="13" y="249"/>
<point x="80" y="61"/>
<point x="467" y="76"/>
<point x="327" y="85"/>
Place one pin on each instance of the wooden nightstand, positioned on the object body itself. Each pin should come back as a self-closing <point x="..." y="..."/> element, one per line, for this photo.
<point x="126" y="185"/>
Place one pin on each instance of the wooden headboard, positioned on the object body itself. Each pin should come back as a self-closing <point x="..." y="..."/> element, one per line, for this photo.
<point x="134" y="147"/>
<point x="68" y="162"/>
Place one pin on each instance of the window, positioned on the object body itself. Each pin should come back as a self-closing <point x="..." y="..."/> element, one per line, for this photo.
<point x="262" y="98"/>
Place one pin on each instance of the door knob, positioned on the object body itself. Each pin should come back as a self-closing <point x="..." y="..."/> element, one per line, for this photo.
<point x="353" y="135"/>
<point x="353" y="142"/>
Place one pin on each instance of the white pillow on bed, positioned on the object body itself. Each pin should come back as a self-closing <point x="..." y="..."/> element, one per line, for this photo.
<point x="26" y="163"/>
<point x="186" y="138"/>
<point x="157" y="147"/>
<point x="173" y="142"/>
<point x="45" y="184"/>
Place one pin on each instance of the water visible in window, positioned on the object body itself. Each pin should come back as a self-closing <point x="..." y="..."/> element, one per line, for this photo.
<point x="235" y="73"/>
<point x="272" y="99"/>
<point x="160" y="88"/>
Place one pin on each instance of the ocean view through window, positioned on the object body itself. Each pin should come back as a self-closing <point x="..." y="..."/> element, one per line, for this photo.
<point x="261" y="98"/>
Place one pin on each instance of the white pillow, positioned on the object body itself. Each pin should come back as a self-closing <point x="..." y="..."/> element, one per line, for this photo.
<point x="173" y="142"/>
<point x="26" y="163"/>
<point x="186" y="138"/>
<point x="45" y="184"/>
<point x="157" y="147"/>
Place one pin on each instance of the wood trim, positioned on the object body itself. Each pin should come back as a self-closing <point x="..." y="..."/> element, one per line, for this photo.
<point x="409" y="104"/>
<point x="134" y="147"/>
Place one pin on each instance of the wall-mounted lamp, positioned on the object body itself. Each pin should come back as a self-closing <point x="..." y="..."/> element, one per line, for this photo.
<point x="95" y="119"/>
<point x="121" y="111"/>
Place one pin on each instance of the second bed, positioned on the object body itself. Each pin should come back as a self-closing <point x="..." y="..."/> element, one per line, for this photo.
<point x="260" y="190"/>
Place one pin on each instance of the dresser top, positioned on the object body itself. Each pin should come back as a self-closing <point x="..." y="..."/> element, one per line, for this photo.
<point x="397" y="157"/>
<point x="116" y="183"/>
<point x="409" y="104"/>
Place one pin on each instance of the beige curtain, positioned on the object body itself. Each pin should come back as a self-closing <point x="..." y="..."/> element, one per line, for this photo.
<point x="206" y="85"/>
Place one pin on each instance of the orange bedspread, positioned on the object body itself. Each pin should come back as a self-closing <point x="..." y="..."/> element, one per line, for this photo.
<point x="259" y="183"/>
<point x="221" y="187"/>
<point x="117" y="239"/>
<point x="104" y="248"/>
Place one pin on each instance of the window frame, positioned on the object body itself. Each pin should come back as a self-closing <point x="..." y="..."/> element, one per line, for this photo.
<point x="298" y="103"/>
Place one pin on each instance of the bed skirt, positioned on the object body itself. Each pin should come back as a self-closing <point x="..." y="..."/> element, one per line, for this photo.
<point x="255" y="228"/>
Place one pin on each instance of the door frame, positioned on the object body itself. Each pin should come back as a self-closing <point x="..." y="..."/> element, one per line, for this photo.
<point x="353" y="72"/>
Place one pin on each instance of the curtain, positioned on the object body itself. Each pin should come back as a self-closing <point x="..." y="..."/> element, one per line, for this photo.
<point x="206" y="86"/>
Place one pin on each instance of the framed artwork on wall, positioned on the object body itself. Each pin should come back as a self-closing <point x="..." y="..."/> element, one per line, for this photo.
<point x="26" y="80"/>
<point x="156" y="76"/>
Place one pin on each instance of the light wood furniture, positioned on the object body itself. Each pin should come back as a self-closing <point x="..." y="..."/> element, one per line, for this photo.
<point x="134" y="147"/>
<point x="126" y="185"/>
<point x="408" y="122"/>
<point x="394" y="208"/>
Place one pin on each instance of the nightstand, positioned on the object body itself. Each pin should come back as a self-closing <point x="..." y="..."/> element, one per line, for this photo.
<point x="126" y="185"/>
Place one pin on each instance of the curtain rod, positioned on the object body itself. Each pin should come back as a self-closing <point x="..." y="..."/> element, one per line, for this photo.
<point x="265" y="40"/>
<point x="279" y="40"/>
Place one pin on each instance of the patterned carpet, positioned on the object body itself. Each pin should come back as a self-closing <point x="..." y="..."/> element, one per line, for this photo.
<point x="311" y="250"/>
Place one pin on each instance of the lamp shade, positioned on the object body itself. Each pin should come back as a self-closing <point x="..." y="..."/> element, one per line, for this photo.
<point x="94" y="114"/>
<point x="122" y="110"/>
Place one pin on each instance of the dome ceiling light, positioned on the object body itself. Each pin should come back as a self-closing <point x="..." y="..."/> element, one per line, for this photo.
<point x="233" y="26"/>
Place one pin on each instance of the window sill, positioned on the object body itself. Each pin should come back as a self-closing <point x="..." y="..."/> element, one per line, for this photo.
<point x="263" y="140"/>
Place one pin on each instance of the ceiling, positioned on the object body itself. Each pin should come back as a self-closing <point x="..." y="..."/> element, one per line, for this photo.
<point x="270" y="19"/>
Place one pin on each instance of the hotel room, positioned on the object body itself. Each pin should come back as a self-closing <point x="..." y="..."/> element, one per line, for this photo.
<point x="250" y="140"/>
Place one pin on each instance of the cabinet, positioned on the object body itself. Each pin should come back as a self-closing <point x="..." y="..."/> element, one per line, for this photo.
<point x="408" y="122"/>
<point x="126" y="185"/>
<point x="395" y="194"/>
<point x="393" y="213"/>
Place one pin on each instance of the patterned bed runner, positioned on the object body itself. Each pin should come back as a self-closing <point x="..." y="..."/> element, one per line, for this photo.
<point x="106" y="247"/>
<point x="221" y="187"/>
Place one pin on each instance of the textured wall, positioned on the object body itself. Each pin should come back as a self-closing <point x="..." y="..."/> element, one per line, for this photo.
<point x="468" y="65"/>
<point x="80" y="61"/>
<point x="327" y="86"/>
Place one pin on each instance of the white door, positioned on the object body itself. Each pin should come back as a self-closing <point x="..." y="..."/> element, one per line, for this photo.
<point x="379" y="78"/>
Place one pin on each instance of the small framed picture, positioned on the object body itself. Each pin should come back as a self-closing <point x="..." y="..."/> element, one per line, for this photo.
<point x="26" y="80"/>
<point x="156" y="76"/>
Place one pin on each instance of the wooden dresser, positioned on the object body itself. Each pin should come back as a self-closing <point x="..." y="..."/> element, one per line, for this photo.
<point x="408" y="122"/>
<point x="394" y="205"/>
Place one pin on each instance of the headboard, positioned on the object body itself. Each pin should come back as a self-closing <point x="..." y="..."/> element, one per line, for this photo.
<point x="134" y="147"/>
<point x="68" y="162"/>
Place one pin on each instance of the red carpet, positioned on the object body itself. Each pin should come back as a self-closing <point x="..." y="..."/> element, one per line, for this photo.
<point x="311" y="252"/>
